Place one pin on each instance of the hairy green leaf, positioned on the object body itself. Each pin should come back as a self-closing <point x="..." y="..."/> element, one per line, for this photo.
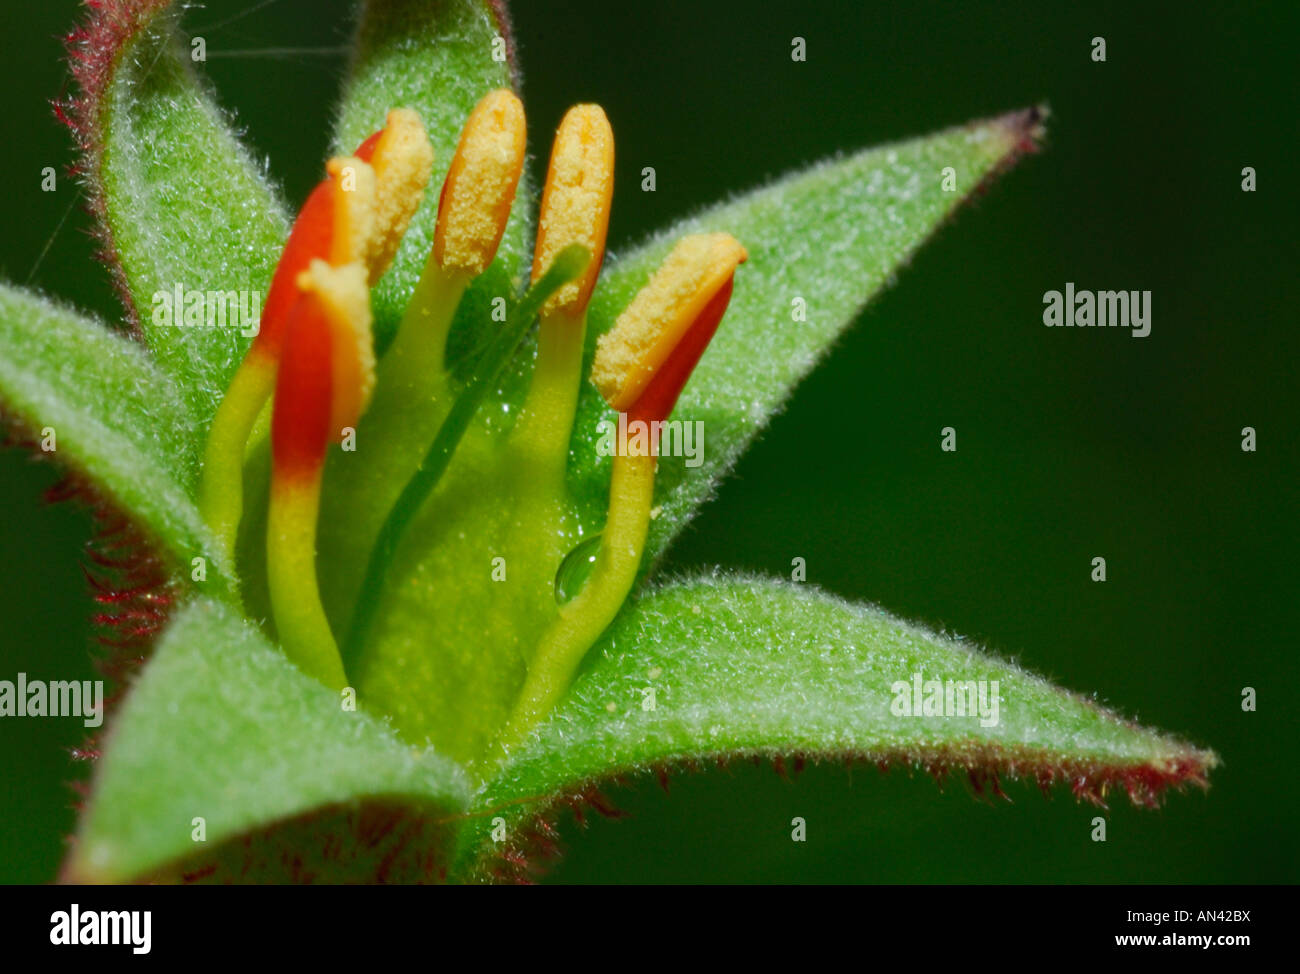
<point x="221" y="727"/>
<point x="110" y="412"/>
<point x="185" y="206"/>
<point x="438" y="57"/>
<point x="742" y="667"/>
<point x="826" y="239"/>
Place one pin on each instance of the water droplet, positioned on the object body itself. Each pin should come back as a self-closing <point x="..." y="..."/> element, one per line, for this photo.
<point x="576" y="569"/>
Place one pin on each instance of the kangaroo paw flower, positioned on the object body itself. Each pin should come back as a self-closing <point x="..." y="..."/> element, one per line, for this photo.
<point x="314" y="353"/>
<point x="473" y="568"/>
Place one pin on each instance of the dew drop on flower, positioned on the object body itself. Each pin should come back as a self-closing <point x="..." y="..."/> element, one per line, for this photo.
<point x="576" y="569"/>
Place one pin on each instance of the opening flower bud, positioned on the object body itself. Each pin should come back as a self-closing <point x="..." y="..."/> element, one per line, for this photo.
<point x="325" y="380"/>
<point x="336" y="224"/>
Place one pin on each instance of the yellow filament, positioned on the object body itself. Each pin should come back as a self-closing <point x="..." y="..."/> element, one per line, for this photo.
<point x="413" y="367"/>
<point x="221" y="488"/>
<point x="541" y="437"/>
<point x="300" y="620"/>
<point x="581" y="621"/>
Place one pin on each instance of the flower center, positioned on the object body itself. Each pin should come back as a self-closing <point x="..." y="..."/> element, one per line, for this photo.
<point x="406" y="533"/>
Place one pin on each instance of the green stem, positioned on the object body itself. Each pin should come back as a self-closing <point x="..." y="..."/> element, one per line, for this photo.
<point x="541" y="437"/>
<point x="221" y="489"/>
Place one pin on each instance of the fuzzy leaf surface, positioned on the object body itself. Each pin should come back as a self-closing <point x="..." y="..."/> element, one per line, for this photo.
<point x="116" y="418"/>
<point x="221" y="726"/>
<point x="183" y="201"/>
<point x="745" y="667"/>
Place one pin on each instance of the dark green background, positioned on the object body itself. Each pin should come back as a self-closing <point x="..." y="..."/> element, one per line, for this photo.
<point x="1071" y="443"/>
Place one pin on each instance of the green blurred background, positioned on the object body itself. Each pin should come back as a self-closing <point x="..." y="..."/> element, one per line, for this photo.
<point x="1072" y="444"/>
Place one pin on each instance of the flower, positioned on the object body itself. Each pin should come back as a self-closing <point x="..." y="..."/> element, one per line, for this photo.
<point x="396" y="606"/>
<point x="316" y="341"/>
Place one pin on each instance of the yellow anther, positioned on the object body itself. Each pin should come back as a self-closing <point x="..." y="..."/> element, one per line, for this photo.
<point x="629" y="354"/>
<point x="480" y="186"/>
<point x="576" y="201"/>
<point x="354" y="216"/>
<point x="402" y="161"/>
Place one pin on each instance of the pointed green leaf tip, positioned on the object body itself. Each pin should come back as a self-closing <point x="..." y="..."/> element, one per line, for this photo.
<point x="742" y="667"/>
<point x="822" y="242"/>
